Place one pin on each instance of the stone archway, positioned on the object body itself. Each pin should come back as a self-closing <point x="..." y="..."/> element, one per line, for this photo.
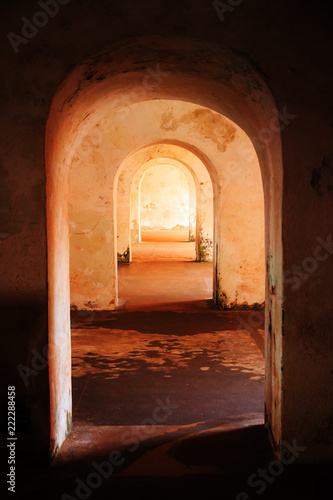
<point x="136" y="188"/>
<point x="191" y="71"/>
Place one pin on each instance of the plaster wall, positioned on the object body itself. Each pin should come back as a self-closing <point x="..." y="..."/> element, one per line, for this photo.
<point x="135" y="193"/>
<point x="294" y="63"/>
<point x="201" y="195"/>
<point x="239" y="198"/>
<point x="164" y="200"/>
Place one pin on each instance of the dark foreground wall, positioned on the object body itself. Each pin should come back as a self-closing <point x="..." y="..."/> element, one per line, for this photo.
<point x="290" y="43"/>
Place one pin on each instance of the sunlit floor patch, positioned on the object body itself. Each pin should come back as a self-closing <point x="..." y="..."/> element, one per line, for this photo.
<point x="209" y="372"/>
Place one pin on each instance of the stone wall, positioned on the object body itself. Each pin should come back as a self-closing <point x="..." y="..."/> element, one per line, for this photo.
<point x="288" y="45"/>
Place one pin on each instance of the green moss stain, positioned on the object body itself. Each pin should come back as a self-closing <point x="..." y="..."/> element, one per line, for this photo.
<point x="223" y="303"/>
<point x="222" y="300"/>
<point x="68" y="422"/>
<point x="124" y="257"/>
<point x="256" y="306"/>
<point x="205" y="250"/>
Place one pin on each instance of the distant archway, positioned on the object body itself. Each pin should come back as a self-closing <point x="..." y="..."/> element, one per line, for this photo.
<point x="201" y="195"/>
<point x="164" y="203"/>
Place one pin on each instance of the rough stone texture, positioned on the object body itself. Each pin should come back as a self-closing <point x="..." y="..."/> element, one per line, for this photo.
<point x="289" y="44"/>
<point x="101" y="177"/>
<point x="200" y="183"/>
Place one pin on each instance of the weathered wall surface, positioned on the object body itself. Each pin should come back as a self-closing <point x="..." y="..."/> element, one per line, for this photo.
<point x="190" y="186"/>
<point x="128" y="189"/>
<point x="165" y="199"/>
<point x="201" y="196"/>
<point x="242" y="266"/>
<point x="289" y="46"/>
<point x="239" y="216"/>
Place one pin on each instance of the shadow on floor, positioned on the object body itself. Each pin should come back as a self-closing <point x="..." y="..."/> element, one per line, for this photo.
<point x="201" y="461"/>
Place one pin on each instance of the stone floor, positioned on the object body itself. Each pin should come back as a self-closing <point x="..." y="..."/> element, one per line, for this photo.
<point x="168" y="395"/>
<point x="166" y="340"/>
<point x="205" y="362"/>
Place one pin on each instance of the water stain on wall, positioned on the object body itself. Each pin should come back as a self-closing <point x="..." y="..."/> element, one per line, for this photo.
<point x="209" y="124"/>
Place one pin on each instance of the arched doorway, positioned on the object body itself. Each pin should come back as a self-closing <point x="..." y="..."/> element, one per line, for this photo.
<point x="189" y="191"/>
<point x="201" y="194"/>
<point x="74" y="112"/>
<point x="164" y="205"/>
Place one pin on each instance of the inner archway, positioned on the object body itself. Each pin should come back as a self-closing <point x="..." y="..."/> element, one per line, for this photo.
<point x="201" y="195"/>
<point x="64" y="136"/>
<point x="165" y="258"/>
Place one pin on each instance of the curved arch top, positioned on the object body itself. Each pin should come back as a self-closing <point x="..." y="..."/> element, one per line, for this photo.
<point x="179" y="68"/>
